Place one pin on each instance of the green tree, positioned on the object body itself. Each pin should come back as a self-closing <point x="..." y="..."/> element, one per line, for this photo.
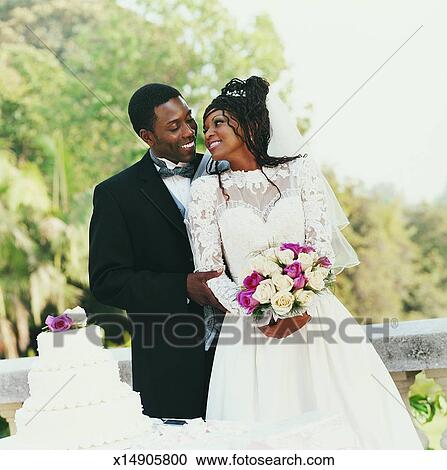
<point x="428" y="224"/>
<point x="35" y="261"/>
<point x="193" y="45"/>
<point x="64" y="126"/>
<point x="381" y="285"/>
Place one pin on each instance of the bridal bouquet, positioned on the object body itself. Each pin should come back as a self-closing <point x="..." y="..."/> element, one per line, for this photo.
<point x="282" y="281"/>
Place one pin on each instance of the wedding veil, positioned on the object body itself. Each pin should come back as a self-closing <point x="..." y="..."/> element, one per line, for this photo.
<point x="286" y="140"/>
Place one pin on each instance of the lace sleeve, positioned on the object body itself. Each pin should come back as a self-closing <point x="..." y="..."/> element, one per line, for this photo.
<point x="318" y="231"/>
<point x="206" y="243"/>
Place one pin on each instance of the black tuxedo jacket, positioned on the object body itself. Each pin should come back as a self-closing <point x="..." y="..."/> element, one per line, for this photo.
<point x="139" y="260"/>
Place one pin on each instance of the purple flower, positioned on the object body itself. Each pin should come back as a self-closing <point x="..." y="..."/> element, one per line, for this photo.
<point x="293" y="270"/>
<point x="295" y="247"/>
<point x="252" y="281"/>
<point x="299" y="282"/>
<point x="60" y="323"/>
<point x="246" y="300"/>
<point x="325" y="262"/>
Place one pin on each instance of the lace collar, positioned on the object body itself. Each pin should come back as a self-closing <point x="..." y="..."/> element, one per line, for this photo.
<point x="255" y="177"/>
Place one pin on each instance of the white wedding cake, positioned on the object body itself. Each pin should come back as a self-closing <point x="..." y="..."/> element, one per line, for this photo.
<point x="77" y="399"/>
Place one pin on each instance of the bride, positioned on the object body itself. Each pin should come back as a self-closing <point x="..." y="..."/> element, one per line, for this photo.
<point x="272" y="195"/>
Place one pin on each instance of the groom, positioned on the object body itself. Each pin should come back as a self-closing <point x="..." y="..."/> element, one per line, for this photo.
<point x="140" y="258"/>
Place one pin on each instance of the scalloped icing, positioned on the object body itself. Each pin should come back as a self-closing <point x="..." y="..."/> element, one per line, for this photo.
<point x="77" y="400"/>
<point x="84" y="427"/>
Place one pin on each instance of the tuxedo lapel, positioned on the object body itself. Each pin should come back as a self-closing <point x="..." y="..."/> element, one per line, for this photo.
<point x="197" y="161"/>
<point x="156" y="193"/>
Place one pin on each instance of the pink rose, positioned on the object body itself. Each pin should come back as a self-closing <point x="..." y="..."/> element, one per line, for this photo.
<point x="295" y="247"/>
<point x="60" y="323"/>
<point x="325" y="262"/>
<point x="307" y="249"/>
<point x="293" y="270"/>
<point x="252" y="281"/>
<point x="246" y="300"/>
<point x="299" y="282"/>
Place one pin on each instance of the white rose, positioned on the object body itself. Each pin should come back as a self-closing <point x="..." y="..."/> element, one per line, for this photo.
<point x="304" y="296"/>
<point x="257" y="263"/>
<point x="264" y="266"/>
<point x="282" y="282"/>
<point x="270" y="253"/>
<point x="315" y="280"/>
<point x="307" y="272"/>
<point x="265" y="291"/>
<point x="282" y="302"/>
<point x="322" y="271"/>
<point x="315" y="256"/>
<point x="271" y="267"/>
<point x="285" y="256"/>
<point x="77" y="314"/>
<point x="306" y="260"/>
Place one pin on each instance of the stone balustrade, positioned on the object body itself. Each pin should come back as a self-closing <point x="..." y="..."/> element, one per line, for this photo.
<point x="406" y="348"/>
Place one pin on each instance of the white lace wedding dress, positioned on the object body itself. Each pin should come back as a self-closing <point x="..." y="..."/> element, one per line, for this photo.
<point x="255" y="378"/>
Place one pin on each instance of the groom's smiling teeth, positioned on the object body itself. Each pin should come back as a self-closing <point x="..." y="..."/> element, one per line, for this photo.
<point x="190" y="145"/>
<point x="214" y="144"/>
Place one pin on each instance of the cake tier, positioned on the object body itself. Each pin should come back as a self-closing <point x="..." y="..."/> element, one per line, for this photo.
<point x="70" y="344"/>
<point x="84" y="427"/>
<point x="74" y="387"/>
<point x="65" y="362"/>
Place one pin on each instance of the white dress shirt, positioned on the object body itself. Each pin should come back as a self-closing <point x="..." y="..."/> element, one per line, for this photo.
<point x="177" y="185"/>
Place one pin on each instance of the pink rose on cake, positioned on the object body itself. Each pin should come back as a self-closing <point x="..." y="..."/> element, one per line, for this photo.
<point x="71" y="318"/>
<point x="60" y="323"/>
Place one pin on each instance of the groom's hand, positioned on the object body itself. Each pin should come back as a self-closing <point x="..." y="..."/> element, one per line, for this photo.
<point x="198" y="291"/>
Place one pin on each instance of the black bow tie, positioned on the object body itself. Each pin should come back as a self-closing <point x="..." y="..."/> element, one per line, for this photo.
<point x="187" y="171"/>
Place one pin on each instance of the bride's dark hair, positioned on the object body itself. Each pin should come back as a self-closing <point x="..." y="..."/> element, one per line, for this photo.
<point x="245" y="102"/>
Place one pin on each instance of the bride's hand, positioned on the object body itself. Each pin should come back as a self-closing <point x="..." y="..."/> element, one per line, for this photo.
<point x="285" y="327"/>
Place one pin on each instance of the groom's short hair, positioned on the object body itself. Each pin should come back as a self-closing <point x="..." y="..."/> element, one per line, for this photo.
<point x="143" y="102"/>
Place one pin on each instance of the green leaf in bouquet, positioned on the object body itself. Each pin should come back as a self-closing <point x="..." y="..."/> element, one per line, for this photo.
<point x="297" y="309"/>
<point x="258" y="313"/>
<point x="331" y="277"/>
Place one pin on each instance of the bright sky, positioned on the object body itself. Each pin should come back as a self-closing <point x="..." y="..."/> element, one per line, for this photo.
<point x="394" y="129"/>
